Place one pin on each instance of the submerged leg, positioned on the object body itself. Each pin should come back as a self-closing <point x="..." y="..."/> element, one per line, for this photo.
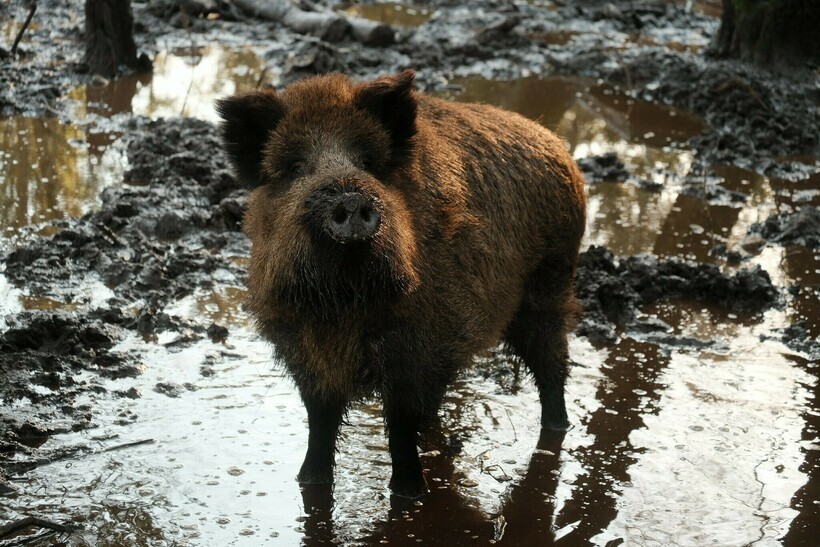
<point x="324" y="418"/>
<point x="414" y="386"/>
<point x="538" y="335"/>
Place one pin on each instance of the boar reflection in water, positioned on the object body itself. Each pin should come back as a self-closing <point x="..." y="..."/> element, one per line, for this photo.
<point x="394" y="236"/>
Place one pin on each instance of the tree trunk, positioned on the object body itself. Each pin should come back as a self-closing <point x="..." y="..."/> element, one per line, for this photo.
<point x="769" y="31"/>
<point x="109" y="37"/>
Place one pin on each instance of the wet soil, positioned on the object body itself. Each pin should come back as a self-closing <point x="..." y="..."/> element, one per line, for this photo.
<point x="139" y="404"/>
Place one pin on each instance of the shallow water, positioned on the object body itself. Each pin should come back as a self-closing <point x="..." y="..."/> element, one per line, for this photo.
<point x="50" y="170"/>
<point x="392" y="13"/>
<point x="711" y="441"/>
<point x="184" y="82"/>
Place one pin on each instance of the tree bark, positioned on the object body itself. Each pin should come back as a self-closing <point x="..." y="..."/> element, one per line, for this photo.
<point x="109" y="37"/>
<point x="769" y="31"/>
<point x="325" y="24"/>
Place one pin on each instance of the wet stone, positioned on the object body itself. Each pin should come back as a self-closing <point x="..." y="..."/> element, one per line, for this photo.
<point x="217" y="333"/>
<point x="611" y="289"/>
<point x="171" y="225"/>
<point x="169" y="388"/>
<point x="604" y="168"/>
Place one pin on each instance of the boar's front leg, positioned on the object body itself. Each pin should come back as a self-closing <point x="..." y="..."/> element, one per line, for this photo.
<point x="324" y="417"/>
<point x="412" y="393"/>
<point x="403" y="428"/>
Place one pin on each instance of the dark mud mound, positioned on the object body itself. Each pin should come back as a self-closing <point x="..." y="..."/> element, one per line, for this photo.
<point x="801" y="227"/>
<point x="40" y="356"/>
<point x="155" y="237"/>
<point x="58" y="333"/>
<point x="160" y="236"/>
<point x="755" y="114"/>
<point x="611" y="290"/>
<point x="603" y="168"/>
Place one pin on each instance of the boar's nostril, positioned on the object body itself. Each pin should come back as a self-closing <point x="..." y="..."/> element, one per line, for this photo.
<point x="340" y="214"/>
<point x="370" y="217"/>
<point x="353" y="217"/>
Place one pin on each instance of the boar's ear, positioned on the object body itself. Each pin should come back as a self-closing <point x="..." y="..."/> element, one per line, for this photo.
<point x="392" y="101"/>
<point x="247" y="118"/>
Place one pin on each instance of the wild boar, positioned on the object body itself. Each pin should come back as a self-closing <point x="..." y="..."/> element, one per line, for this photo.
<point x="394" y="236"/>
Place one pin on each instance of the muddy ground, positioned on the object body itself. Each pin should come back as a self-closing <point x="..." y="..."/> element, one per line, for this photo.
<point x="139" y="406"/>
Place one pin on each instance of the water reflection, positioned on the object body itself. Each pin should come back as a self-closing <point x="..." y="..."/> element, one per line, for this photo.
<point x="184" y="82"/>
<point x="592" y="119"/>
<point x="50" y="170"/>
<point x="630" y="389"/>
<point x="805" y="500"/>
<point x="692" y="228"/>
<point x="392" y="13"/>
<point x="595" y="120"/>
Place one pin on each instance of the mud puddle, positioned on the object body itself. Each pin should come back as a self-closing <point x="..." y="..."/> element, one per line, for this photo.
<point x="635" y="142"/>
<point x="702" y="430"/>
<point x="393" y="13"/>
<point x="50" y="170"/>
<point x="226" y="433"/>
<point x="185" y="82"/>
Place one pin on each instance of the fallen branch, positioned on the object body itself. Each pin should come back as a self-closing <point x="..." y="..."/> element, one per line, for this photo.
<point x="128" y="445"/>
<point x="326" y="25"/>
<point x="19" y="468"/>
<point x="309" y="18"/>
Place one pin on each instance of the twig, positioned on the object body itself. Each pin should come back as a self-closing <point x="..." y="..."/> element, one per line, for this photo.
<point x="20" y="32"/>
<point x="186" y="22"/>
<point x="262" y="76"/>
<point x="109" y="235"/>
<point x="19" y="468"/>
<point x="128" y="445"/>
<point x="515" y="435"/>
<point x="27" y="522"/>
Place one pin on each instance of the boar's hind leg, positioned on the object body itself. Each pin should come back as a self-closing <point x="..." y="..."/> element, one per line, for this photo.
<point x="324" y="418"/>
<point x="538" y="335"/>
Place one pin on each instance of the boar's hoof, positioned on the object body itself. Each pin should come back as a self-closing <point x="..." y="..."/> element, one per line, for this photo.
<point x="553" y="409"/>
<point x="310" y="476"/>
<point x="555" y="421"/>
<point x="555" y="425"/>
<point x="353" y="217"/>
<point x="408" y="487"/>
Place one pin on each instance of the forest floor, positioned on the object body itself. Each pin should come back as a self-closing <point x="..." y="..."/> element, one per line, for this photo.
<point x="123" y="259"/>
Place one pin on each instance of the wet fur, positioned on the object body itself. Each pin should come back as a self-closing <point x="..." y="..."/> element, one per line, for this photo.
<point x="482" y="215"/>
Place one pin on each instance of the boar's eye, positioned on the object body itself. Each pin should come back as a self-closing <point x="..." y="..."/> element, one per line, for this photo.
<point x="366" y="163"/>
<point x="296" y="168"/>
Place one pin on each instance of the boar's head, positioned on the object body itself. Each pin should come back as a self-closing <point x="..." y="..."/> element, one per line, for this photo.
<point x="329" y="216"/>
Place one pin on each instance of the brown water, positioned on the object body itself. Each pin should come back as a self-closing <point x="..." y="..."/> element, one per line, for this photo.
<point x="50" y="170"/>
<point x="392" y="13"/>
<point x="184" y="82"/>
<point x="691" y="445"/>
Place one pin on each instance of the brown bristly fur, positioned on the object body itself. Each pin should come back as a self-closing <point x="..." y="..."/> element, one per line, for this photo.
<point x="482" y="213"/>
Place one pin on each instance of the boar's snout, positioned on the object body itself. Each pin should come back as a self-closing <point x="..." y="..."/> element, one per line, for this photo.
<point x="352" y="216"/>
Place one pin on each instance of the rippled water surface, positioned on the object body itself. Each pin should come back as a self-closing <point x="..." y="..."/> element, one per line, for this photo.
<point x="711" y="441"/>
